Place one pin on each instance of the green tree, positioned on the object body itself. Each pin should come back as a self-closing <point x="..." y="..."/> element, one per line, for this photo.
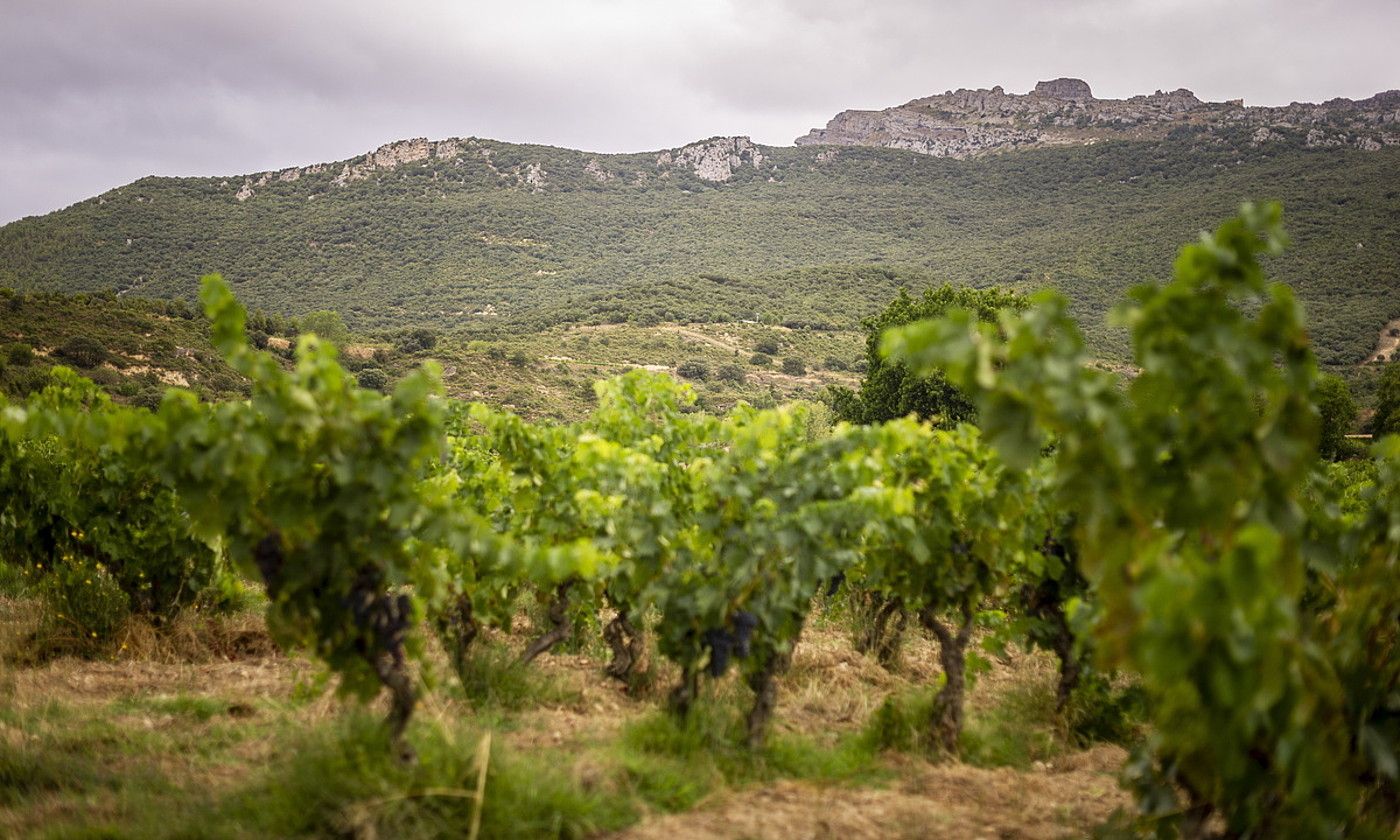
<point x="372" y="378"/>
<point x="1386" y="420"/>
<point x="326" y="324"/>
<point x="415" y="340"/>
<point x="1338" y="412"/>
<point x="83" y="351"/>
<point x="698" y="371"/>
<point x="888" y="390"/>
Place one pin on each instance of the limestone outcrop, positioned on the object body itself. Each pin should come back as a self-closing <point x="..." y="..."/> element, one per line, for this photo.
<point x="716" y="159"/>
<point x="965" y="123"/>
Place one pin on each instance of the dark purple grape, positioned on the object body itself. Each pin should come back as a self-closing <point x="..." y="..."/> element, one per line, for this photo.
<point x="719" y="643"/>
<point x="744" y="625"/>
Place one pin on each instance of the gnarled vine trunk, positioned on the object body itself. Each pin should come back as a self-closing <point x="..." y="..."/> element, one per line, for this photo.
<point x="559" y="627"/>
<point x="459" y="628"/>
<point x="1070" y="669"/>
<point x="946" y="719"/>
<point x="384" y="620"/>
<point x="764" y="682"/>
<point x="683" y="696"/>
<point x="629" y="649"/>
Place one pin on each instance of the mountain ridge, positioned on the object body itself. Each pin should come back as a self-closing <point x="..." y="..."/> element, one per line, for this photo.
<point x="1064" y="111"/>
<point x="492" y="239"/>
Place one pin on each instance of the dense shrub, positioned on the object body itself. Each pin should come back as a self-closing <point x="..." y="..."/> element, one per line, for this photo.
<point x="698" y="371"/>
<point x="373" y="379"/>
<point x="416" y="340"/>
<point x="83" y="351"/>
<point x="19" y="354"/>
<point x="84" y="605"/>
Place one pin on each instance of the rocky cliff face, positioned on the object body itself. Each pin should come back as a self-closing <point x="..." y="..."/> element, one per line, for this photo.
<point x="964" y="123"/>
<point x="716" y="159"/>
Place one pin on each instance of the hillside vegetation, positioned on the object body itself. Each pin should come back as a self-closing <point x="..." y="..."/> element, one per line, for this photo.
<point x="136" y="348"/>
<point x="496" y="239"/>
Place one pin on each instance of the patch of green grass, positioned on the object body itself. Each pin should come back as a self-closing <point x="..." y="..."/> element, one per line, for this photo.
<point x="14" y="581"/>
<point x="1098" y="711"/>
<point x="31" y="769"/>
<point x="493" y="679"/>
<point x="342" y="779"/>
<point x="675" y="762"/>
<point x="199" y="708"/>
<point x="1019" y="728"/>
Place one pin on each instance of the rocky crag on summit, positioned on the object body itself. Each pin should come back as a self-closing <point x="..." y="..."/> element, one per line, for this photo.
<point x="965" y="123"/>
<point x="715" y="160"/>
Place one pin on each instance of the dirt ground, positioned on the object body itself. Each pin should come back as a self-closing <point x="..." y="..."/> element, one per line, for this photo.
<point x="246" y="686"/>
<point x="948" y="800"/>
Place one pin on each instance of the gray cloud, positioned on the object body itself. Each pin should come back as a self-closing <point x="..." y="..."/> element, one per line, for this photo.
<point x="94" y="94"/>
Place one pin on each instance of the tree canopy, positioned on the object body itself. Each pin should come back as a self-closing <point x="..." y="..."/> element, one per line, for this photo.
<point x="889" y="390"/>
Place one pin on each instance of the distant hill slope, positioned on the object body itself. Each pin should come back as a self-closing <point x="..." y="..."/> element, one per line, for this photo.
<point x="136" y="348"/>
<point x="487" y="239"/>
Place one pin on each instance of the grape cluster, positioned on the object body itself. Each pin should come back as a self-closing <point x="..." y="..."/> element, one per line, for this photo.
<point x="385" y="617"/>
<point x="726" y="642"/>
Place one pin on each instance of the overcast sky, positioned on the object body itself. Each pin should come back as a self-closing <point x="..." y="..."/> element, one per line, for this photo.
<point x="97" y="93"/>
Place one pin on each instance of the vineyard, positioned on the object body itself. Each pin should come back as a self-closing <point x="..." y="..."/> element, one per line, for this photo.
<point x="1210" y="592"/>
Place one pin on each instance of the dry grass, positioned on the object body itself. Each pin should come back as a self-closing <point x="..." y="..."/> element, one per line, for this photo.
<point x="247" y="695"/>
<point x="949" y="800"/>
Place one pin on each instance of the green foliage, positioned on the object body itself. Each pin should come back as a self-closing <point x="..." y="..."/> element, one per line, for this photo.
<point x="1266" y="645"/>
<point x="694" y="370"/>
<point x="946" y="525"/>
<point x="317" y="487"/>
<point x="78" y="490"/>
<point x="761" y="360"/>
<point x="1337" y="414"/>
<point x="416" y="340"/>
<point x="18" y="354"/>
<point x="794" y="366"/>
<point x="325" y="324"/>
<point x="372" y="378"/>
<point x="84" y="606"/>
<point x="888" y="391"/>
<point x="83" y="351"/>
<point x="1386" y="420"/>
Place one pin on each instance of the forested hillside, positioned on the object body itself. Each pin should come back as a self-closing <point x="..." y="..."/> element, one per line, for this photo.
<point x="488" y="239"/>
